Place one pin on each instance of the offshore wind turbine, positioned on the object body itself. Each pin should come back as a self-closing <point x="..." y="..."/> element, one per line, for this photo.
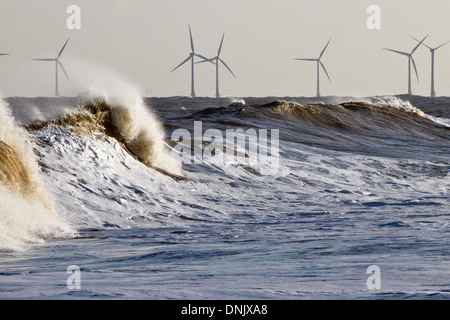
<point x="216" y="61"/>
<point x="191" y="57"/>
<point x="432" y="50"/>
<point x="57" y="63"/>
<point x="319" y="64"/>
<point x="410" y="59"/>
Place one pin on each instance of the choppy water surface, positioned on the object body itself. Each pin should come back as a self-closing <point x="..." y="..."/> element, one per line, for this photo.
<point x="360" y="182"/>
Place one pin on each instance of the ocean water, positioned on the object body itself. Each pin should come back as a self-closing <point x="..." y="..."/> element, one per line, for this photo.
<point x="95" y="185"/>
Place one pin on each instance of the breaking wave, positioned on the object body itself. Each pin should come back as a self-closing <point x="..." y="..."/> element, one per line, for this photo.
<point x="135" y="128"/>
<point x="26" y="211"/>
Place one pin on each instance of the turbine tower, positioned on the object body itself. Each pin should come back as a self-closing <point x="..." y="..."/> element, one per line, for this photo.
<point x="191" y="57"/>
<point x="57" y="63"/>
<point x="410" y="59"/>
<point x="432" y="50"/>
<point x="319" y="64"/>
<point x="216" y="61"/>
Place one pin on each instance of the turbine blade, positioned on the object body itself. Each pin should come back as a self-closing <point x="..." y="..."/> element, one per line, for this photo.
<point x="306" y="59"/>
<point x="399" y="52"/>
<point x="187" y="59"/>
<point x="44" y="59"/>
<point x="419" y="41"/>
<point x="227" y="67"/>
<point x="60" y="52"/>
<point x="192" y="41"/>
<point x="415" y="68"/>
<point x="4" y="54"/>
<point x="441" y="45"/>
<point x="221" y="43"/>
<point x="415" y="48"/>
<point x="200" y="56"/>
<point x="323" y="67"/>
<point x="323" y="51"/>
<point x="207" y="60"/>
<point x="62" y="67"/>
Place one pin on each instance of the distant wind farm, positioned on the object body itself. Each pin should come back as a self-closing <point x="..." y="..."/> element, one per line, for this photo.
<point x="195" y="58"/>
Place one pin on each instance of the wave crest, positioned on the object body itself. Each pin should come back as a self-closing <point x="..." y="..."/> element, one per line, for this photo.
<point x="359" y="116"/>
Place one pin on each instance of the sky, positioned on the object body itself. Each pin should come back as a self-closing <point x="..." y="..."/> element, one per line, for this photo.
<point x="143" y="40"/>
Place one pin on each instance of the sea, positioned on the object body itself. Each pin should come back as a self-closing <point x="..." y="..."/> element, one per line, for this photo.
<point x="113" y="197"/>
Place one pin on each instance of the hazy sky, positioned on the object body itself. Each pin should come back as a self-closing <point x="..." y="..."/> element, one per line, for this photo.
<point x="143" y="40"/>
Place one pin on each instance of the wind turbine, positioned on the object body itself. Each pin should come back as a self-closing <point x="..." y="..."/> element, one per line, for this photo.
<point x="319" y="64"/>
<point x="216" y="61"/>
<point x="4" y="54"/>
<point x="57" y="63"/>
<point x="432" y="50"/>
<point x="191" y="57"/>
<point x="410" y="59"/>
